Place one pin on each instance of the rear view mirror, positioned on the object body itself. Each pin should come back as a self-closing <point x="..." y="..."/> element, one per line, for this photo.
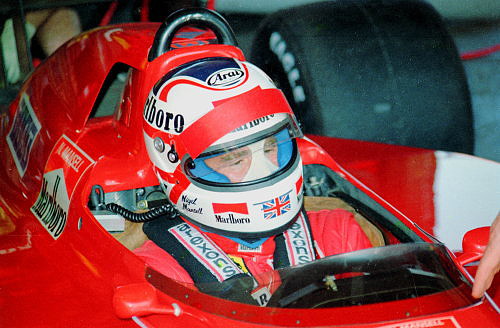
<point x="473" y="245"/>
<point x="137" y="300"/>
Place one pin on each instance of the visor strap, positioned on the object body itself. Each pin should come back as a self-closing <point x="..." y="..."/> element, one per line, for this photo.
<point x="230" y="114"/>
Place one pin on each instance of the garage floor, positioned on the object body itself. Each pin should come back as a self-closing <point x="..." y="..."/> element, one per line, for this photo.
<point x="483" y="74"/>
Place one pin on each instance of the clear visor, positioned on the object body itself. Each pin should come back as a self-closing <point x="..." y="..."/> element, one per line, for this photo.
<point x="258" y="158"/>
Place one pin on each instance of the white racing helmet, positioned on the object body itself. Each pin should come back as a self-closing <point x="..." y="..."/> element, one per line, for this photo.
<point x="221" y="138"/>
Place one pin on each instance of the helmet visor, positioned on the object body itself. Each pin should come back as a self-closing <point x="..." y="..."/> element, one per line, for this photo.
<point x="248" y="160"/>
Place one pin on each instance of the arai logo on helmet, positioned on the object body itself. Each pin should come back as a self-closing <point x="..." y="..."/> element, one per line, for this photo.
<point x="225" y="77"/>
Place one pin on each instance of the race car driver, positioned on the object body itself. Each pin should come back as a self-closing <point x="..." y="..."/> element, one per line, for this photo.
<point x="222" y="140"/>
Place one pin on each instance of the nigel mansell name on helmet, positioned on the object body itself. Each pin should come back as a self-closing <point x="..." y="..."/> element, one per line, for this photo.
<point x="161" y="119"/>
<point x="189" y="205"/>
<point x="225" y="77"/>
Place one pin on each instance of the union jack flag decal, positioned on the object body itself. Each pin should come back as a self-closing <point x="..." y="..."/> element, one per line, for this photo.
<point x="276" y="206"/>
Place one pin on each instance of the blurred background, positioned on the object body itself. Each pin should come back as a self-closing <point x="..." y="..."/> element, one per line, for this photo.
<point x="474" y="26"/>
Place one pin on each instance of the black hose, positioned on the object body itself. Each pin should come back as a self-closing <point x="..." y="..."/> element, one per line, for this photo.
<point x="154" y="213"/>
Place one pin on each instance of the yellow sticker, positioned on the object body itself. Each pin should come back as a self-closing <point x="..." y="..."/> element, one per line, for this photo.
<point x="239" y="262"/>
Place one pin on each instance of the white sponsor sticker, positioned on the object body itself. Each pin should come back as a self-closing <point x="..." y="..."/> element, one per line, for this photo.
<point x="63" y="170"/>
<point x="299" y="243"/>
<point x="439" y="322"/>
<point x="225" y="77"/>
<point x="205" y="251"/>
<point x="23" y="133"/>
<point x="262" y="295"/>
<point x="52" y="204"/>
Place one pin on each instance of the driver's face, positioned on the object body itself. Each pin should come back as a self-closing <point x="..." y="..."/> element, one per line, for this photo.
<point x="236" y="163"/>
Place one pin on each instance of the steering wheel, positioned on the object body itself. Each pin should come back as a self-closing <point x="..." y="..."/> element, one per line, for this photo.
<point x="191" y="16"/>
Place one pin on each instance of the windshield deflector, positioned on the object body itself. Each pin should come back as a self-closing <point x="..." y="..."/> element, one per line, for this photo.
<point x="369" y="276"/>
<point x="410" y="278"/>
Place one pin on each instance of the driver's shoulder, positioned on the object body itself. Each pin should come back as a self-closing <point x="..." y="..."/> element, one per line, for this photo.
<point x="328" y="214"/>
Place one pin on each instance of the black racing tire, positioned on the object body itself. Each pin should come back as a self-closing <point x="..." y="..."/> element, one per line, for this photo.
<point x="383" y="71"/>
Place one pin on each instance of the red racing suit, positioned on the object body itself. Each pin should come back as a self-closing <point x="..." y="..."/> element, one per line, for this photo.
<point x="333" y="232"/>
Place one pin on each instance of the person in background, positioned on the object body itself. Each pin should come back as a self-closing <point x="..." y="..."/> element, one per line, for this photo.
<point x="50" y="27"/>
<point x="490" y="263"/>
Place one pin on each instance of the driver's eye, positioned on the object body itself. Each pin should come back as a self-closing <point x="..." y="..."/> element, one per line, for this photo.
<point x="237" y="162"/>
<point x="231" y="159"/>
<point x="270" y="145"/>
<point x="235" y="157"/>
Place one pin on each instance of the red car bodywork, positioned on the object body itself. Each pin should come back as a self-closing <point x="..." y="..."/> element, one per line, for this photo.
<point x="82" y="276"/>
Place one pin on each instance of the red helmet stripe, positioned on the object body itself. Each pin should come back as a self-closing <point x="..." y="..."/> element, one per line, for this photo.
<point x="230" y="114"/>
<point x="241" y="208"/>
<point x="180" y="185"/>
<point x="298" y="184"/>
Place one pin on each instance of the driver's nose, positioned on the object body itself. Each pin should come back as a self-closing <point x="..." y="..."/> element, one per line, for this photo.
<point x="260" y="166"/>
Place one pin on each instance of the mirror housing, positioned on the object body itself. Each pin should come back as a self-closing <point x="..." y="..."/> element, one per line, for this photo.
<point x="137" y="300"/>
<point x="474" y="243"/>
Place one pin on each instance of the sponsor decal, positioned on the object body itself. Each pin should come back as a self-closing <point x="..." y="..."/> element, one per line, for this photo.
<point x="299" y="243"/>
<point x="51" y="207"/>
<point x="276" y="207"/>
<point x="190" y="205"/>
<point x="230" y="218"/>
<point x="23" y="133"/>
<point x="161" y="119"/>
<point x="225" y="77"/>
<point x="219" y="73"/>
<point x="205" y="251"/>
<point x="246" y="249"/>
<point x="71" y="155"/>
<point x="254" y="123"/>
<point x="241" y="208"/>
<point x="239" y="262"/>
<point x="262" y="295"/>
<point x="64" y="168"/>
<point x="440" y="322"/>
<point x="279" y="47"/>
<point x="66" y="155"/>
